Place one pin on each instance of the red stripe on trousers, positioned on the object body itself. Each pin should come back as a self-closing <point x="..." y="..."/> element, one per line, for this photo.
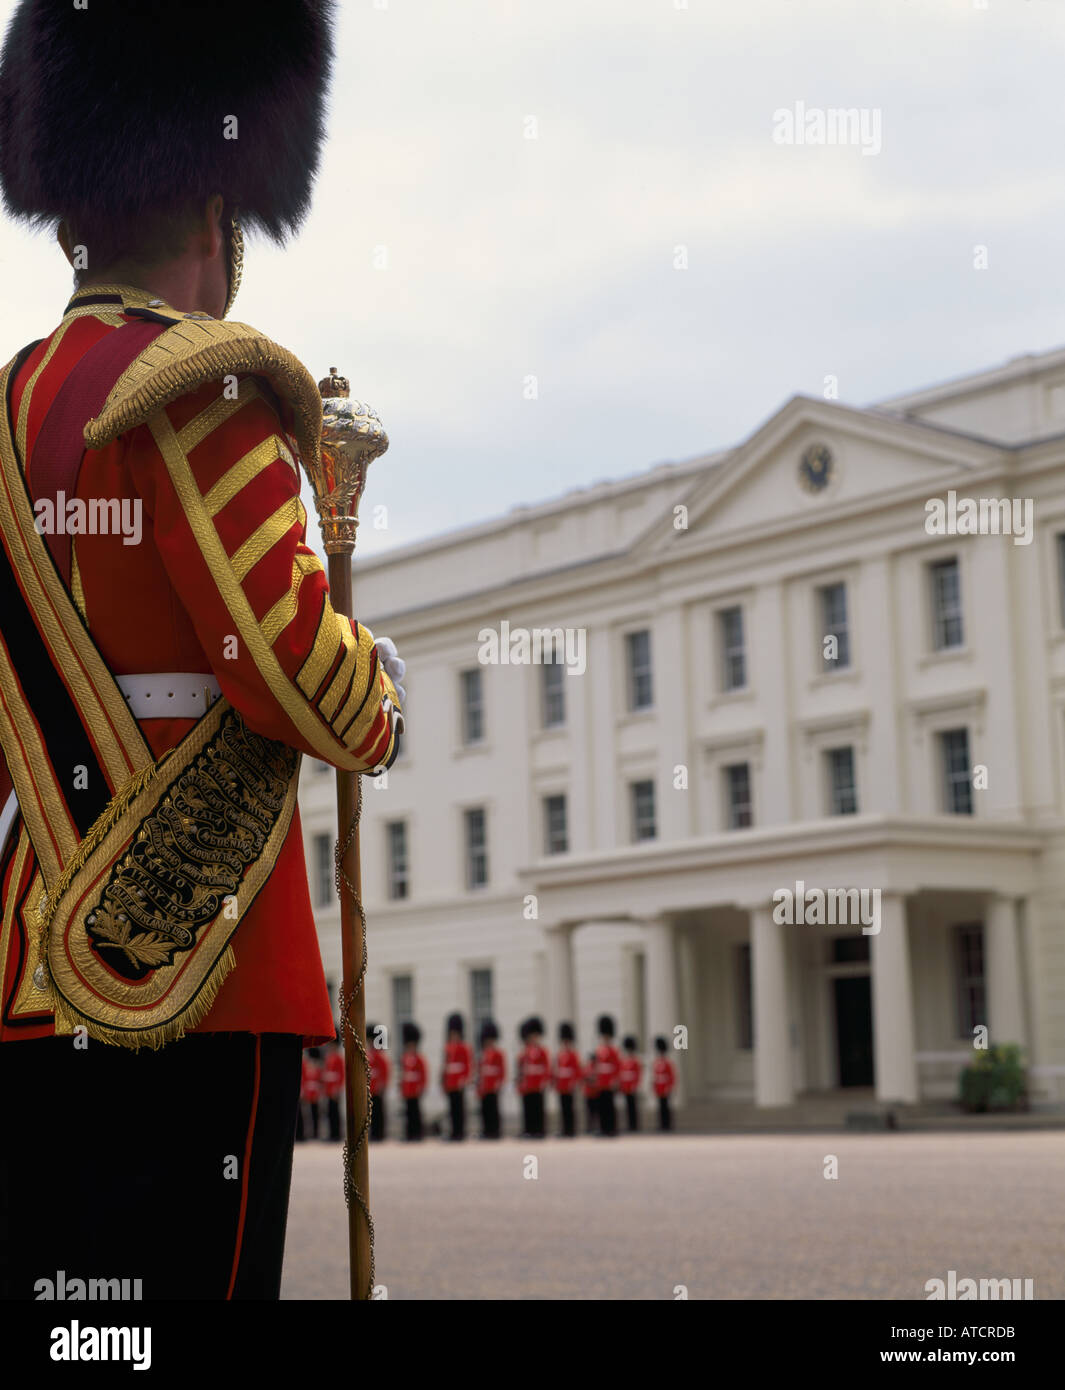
<point x="247" y="1170"/>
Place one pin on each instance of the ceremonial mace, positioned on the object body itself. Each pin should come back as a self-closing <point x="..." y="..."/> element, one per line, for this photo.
<point x="352" y="437"/>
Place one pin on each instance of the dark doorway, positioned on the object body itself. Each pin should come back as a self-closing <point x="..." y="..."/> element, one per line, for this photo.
<point x="854" y="1030"/>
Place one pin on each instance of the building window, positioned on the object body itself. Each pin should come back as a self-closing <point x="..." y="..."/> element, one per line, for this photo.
<point x="947" y="627"/>
<point x="397" y="859"/>
<point x="472" y="706"/>
<point x="739" y="812"/>
<point x="969" y="973"/>
<point x="957" y="775"/>
<point x="643" y="810"/>
<point x="552" y="694"/>
<point x="842" y="785"/>
<point x="832" y="600"/>
<point x="744" y="998"/>
<point x="730" y="645"/>
<point x="476" y="849"/>
<point x="638" y="649"/>
<point x="1061" y="577"/>
<point x="480" y="1000"/>
<point x="402" y="1003"/>
<point x="324" y="874"/>
<point x="556" y="838"/>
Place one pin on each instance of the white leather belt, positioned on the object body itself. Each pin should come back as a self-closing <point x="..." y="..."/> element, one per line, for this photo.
<point x="169" y="694"/>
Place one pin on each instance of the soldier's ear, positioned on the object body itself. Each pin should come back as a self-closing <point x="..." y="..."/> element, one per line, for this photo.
<point x="62" y="235"/>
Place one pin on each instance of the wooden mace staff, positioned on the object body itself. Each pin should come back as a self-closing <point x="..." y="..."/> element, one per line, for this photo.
<point x="352" y="437"/>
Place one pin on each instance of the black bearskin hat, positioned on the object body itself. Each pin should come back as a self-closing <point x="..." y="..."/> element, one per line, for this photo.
<point x="124" y="107"/>
<point x="411" y="1033"/>
<point x="661" y="1045"/>
<point x="489" y="1031"/>
<point x="565" y="1032"/>
<point x="629" y="1043"/>
<point x="455" y="1024"/>
<point x="606" y="1026"/>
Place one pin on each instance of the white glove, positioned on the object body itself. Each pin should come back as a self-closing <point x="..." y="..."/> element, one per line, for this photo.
<point x="393" y="664"/>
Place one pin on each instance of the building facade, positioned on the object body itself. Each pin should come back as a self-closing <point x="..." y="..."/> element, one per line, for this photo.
<point x="792" y="791"/>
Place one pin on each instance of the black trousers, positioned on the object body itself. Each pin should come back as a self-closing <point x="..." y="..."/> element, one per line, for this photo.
<point x="608" y="1115"/>
<point x="665" y="1117"/>
<point x="172" y="1167"/>
<point x="414" y="1118"/>
<point x="490" y="1116"/>
<point x="378" y="1118"/>
<point x="532" y="1105"/>
<point x="456" y="1104"/>
<point x="569" y="1122"/>
<point x="334" y="1117"/>
<point x="592" y="1107"/>
<point x="632" y="1112"/>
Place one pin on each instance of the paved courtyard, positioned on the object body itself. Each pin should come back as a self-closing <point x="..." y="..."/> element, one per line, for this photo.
<point x="728" y="1216"/>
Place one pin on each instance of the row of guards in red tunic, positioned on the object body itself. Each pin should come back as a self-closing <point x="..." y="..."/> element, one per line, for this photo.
<point x="606" y="1073"/>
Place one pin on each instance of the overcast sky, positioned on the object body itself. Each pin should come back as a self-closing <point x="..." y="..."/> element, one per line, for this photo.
<point x="555" y="257"/>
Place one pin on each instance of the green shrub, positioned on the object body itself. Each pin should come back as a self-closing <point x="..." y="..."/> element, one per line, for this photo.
<point x="996" y="1080"/>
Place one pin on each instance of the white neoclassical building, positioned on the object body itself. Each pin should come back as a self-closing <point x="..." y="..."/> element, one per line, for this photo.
<point x="787" y="669"/>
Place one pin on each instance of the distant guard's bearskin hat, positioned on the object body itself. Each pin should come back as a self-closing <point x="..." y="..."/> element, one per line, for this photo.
<point x="629" y="1043"/>
<point x="606" y="1026"/>
<point x="455" y="1024"/>
<point x="411" y="1033"/>
<point x="123" y="108"/>
<point x="489" y="1032"/>
<point x="661" y="1045"/>
<point x="565" y="1032"/>
<point x="530" y="1026"/>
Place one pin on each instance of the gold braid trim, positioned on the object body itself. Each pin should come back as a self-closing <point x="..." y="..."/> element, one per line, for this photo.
<point x="194" y="351"/>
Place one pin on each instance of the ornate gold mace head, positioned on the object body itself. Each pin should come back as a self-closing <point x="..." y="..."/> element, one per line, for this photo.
<point x="352" y="437"/>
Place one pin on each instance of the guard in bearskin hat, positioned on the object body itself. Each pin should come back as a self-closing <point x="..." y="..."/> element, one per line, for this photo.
<point x="456" y="1074"/>
<point x="413" y="1078"/>
<point x="167" y="649"/>
<point x="607" y="1070"/>
<point x="491" y="1073"/>
<point x="533" y="1073"/>
<point x="567" y="1077"/>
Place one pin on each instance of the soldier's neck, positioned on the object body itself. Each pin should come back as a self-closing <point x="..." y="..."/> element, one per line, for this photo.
<point x="180" y="283"/>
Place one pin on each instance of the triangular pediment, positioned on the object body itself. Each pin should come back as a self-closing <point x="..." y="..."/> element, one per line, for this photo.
<point x="815" y="458"/>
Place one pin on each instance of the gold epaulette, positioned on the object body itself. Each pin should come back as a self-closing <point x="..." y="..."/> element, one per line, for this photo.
<point x="195" y="350"/>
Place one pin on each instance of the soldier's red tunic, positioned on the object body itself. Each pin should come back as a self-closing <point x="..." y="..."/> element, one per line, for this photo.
<point x="414" y="1076"/>
<point x="607" y="1066"/>
<point x="222" y="583"/>
<point x="630" y="1069"/>
<point x="491" y="1071"/>
<point x="458" y="1066"/>
<point x="333" y="1074"/>
<point x="534" y="1069"/>
<point x="590" y="1077"/>
<point x="380" y="1070"/>
<point x="310" y="1080"/>
<point x="567" y="1072"/>
<point x="663" y="1076"/>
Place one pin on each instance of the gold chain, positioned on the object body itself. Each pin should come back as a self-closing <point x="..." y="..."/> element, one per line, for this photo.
<point x="351" y="1189"/>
